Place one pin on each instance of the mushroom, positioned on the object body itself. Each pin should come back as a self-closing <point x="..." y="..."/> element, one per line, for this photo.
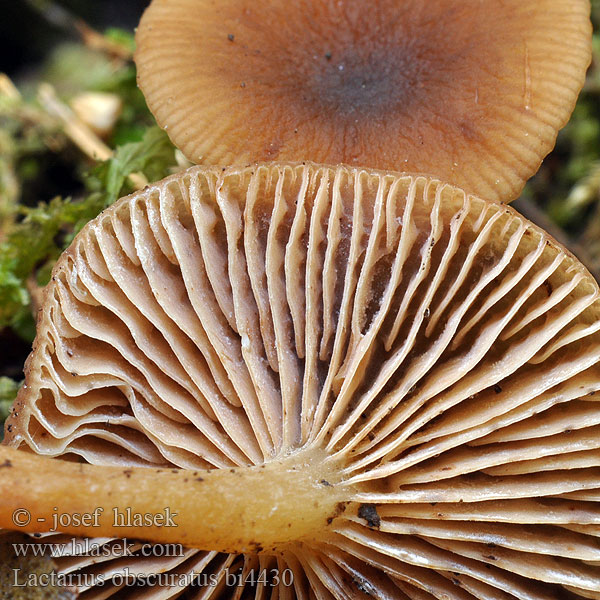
<point x="471" y="92"/>
<point x="345" y="383"/>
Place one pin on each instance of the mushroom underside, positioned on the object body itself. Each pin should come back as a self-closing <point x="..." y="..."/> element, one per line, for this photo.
<point x="438" y="350"/>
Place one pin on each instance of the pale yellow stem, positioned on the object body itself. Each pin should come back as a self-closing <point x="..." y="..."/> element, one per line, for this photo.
<point x="230" y="510"/>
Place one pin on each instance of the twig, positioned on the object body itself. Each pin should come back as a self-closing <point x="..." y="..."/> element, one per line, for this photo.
<point x="75" y="128"/>
<point x="9" y="182"/>
<point x="59" y="16"/>
<point x="8" y="88"/>
<point x="96" y="41"/>
<point x="53" y="12"/>
<point x="81" y="135"/>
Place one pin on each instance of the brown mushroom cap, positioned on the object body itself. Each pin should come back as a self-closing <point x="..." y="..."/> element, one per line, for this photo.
<point x="471" y="92"/>
<point x="439" y="351"/>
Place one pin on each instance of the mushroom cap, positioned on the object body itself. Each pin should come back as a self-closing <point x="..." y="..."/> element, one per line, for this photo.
<point x="471" y="92"/>
<point x="442" y="349"/>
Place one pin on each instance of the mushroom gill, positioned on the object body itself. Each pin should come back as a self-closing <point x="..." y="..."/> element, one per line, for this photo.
<point x="472" y="92"/>
<point x="423" y="360"/>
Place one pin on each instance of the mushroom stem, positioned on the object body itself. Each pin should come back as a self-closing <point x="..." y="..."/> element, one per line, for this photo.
<point x="231" y="510"/>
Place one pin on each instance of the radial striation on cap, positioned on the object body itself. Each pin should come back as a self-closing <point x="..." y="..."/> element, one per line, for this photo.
<point x="439" y="353"/>
<point x="468" y="91"/>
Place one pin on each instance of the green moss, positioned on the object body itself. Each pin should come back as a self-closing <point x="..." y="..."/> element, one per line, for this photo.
<point x="33" y="244"/>
<point x="8" y="392"/>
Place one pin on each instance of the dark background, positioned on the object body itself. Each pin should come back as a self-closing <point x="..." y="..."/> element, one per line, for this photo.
<point x="26" y="34"/>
